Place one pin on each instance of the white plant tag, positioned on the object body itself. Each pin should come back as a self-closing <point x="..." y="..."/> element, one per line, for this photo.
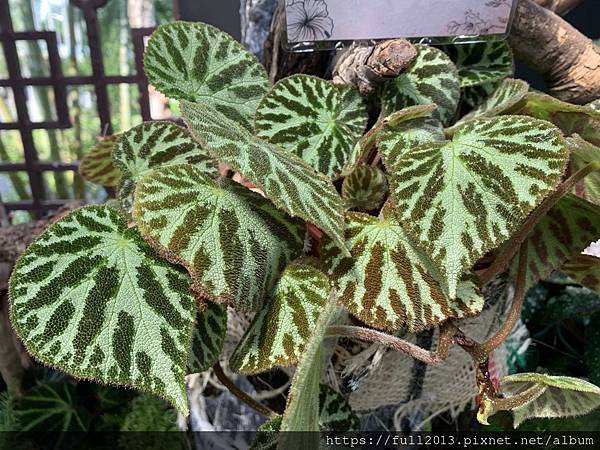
<point x="326" y="23"/>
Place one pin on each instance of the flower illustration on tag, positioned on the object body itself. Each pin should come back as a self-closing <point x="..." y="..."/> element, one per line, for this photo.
<point x="308" y="20"/>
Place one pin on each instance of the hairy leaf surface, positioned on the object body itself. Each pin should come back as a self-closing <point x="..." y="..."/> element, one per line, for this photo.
<point x="432" y="78"/>
<point x="200" y="63"/>
<point x="568" y="228"/>
<point x="286" y="180"/>
<point x="232" y="240"/>
<point x="461" y="198"/>
<point x="570" y="118"/>
<point x="585" y="270"/>
<point x="278" y="334"/>
<point x="509" y="97"/>
<point x="154" y="144"/>
<point x="583" y="153"/>
<point x="388" y="283"/>
<point x="411" y="126"/>
<point x="595" y="105"/>
<point x="208" y="337"/>
<point x="365" y="188"/>
<point x="93" y="299"/>
<point x="315" y="119"/>
<point x="562" y="397"/>
<point x="97" y="165"/>
<point x="481" y="62"/>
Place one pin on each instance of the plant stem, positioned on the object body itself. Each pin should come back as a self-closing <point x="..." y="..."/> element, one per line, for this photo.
<point x="447" y="331"/>
<point x="248" y="400"/>
<point x="481" y="352"/>
<point x="520" y="399"/>
<point x="506" y="255"/>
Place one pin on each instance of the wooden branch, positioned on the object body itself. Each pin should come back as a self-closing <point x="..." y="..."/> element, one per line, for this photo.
<point x="11" y="368"/>
<point x="560" y="7"/>
<point x="369" y="66"/>
<point x="568" y="61"/>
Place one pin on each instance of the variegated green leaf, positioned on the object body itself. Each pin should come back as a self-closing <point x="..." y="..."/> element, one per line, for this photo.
<point x="585" y="270"/>
<point x="432" y="78"/>
<point x="388" y="283"/>
<point x="368" y="141"/>
<point x="302" y="409"/>
<point x="481" y="62"/>
<point x="315" y="119"/>
<point x="335" y="414"/>
<point x="286" y="180"/>
<point x="200" y="63"/>
<point x="509" y="97"/>
<point x="562" y="396"/>
<point x="92" y="298"/>
<point x="476" y="95"/>
<point x="583" y="153"/>
<point x="97" y="165"/>
<point x="568" y="228"/>
<point x="208" y="337"/>
<point x="154" y="144"/>
<point x="232" y="240"/>
<point x="461" y="198"/>
<point x="365" y="189"/>
<point x="571" y="119"/>
<point x="278" y="334"/>
<point x="415" y="127"/>
<point x="595" y="105"/>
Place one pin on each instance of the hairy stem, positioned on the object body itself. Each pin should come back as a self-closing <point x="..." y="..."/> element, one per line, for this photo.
<point x="506" y="255"/>
<point x="447" y="331"/>
<point x="520" y="399"/>
<point x="481" y="351"/>
<point x="248" y="400"/>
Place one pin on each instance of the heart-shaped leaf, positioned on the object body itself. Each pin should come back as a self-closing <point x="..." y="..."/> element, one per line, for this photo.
<point x="92" y="298"/>
<point x="388" y="283"/>
<point x="562" y="396"/>
<point x="585" y="270"/>
<point x="97" y="165"/>
<point x="476" y="95"/>
<point x="365" y="188"/>
<point x="232" y="240"/>
<point x="315" y="119"/>
<point x="481" y="62"/>
<point x="208" y="337"/>
<point x="509" y="97"/>
<point x="461" y="198"/>
<point x="200" y="63"/>
<point x="432" y="78"/>
<point x="154" y="144"/>
<point x="583" y="153"/>
<point x="278" y="334"/>
<point x="411" y="126"/>
<point x="568" y="228"/>
<point x="286" y="180"/>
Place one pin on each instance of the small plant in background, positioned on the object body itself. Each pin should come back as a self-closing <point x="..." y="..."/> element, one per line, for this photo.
<point x="465" y="173"/>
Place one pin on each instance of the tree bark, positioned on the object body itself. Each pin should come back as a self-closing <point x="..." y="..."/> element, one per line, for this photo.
<point x="568" y="61"/>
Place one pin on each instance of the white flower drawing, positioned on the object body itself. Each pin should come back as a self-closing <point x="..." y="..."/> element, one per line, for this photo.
<point x="308" y="20"/>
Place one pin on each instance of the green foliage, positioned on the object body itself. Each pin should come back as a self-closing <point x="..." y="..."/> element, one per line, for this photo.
<point x="280" y="331"/>
<point x="9" y="419"/>
<point x="582" y="154"/>
<point x="365" y="188"/>
<point x="197" y="62"/>
<point x="232" y="240"/>
<point x="92" y="298"/>
<point x="284" y="178"/>
<point x="390" y="284"/>
<point x="151" y="145"/>
<point x="481" y="63"/>
<point x="460" y="199"/>
<point x="97" y="165"/>
<point x="558" y="396"/>
<point x="315" y="119"/>
<point x="568" y="228"/>
<point x="584" y="270"/>
<point x="432" y="78"/>
<point x="148" y="413"/>
<point x="208" y="338"/>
